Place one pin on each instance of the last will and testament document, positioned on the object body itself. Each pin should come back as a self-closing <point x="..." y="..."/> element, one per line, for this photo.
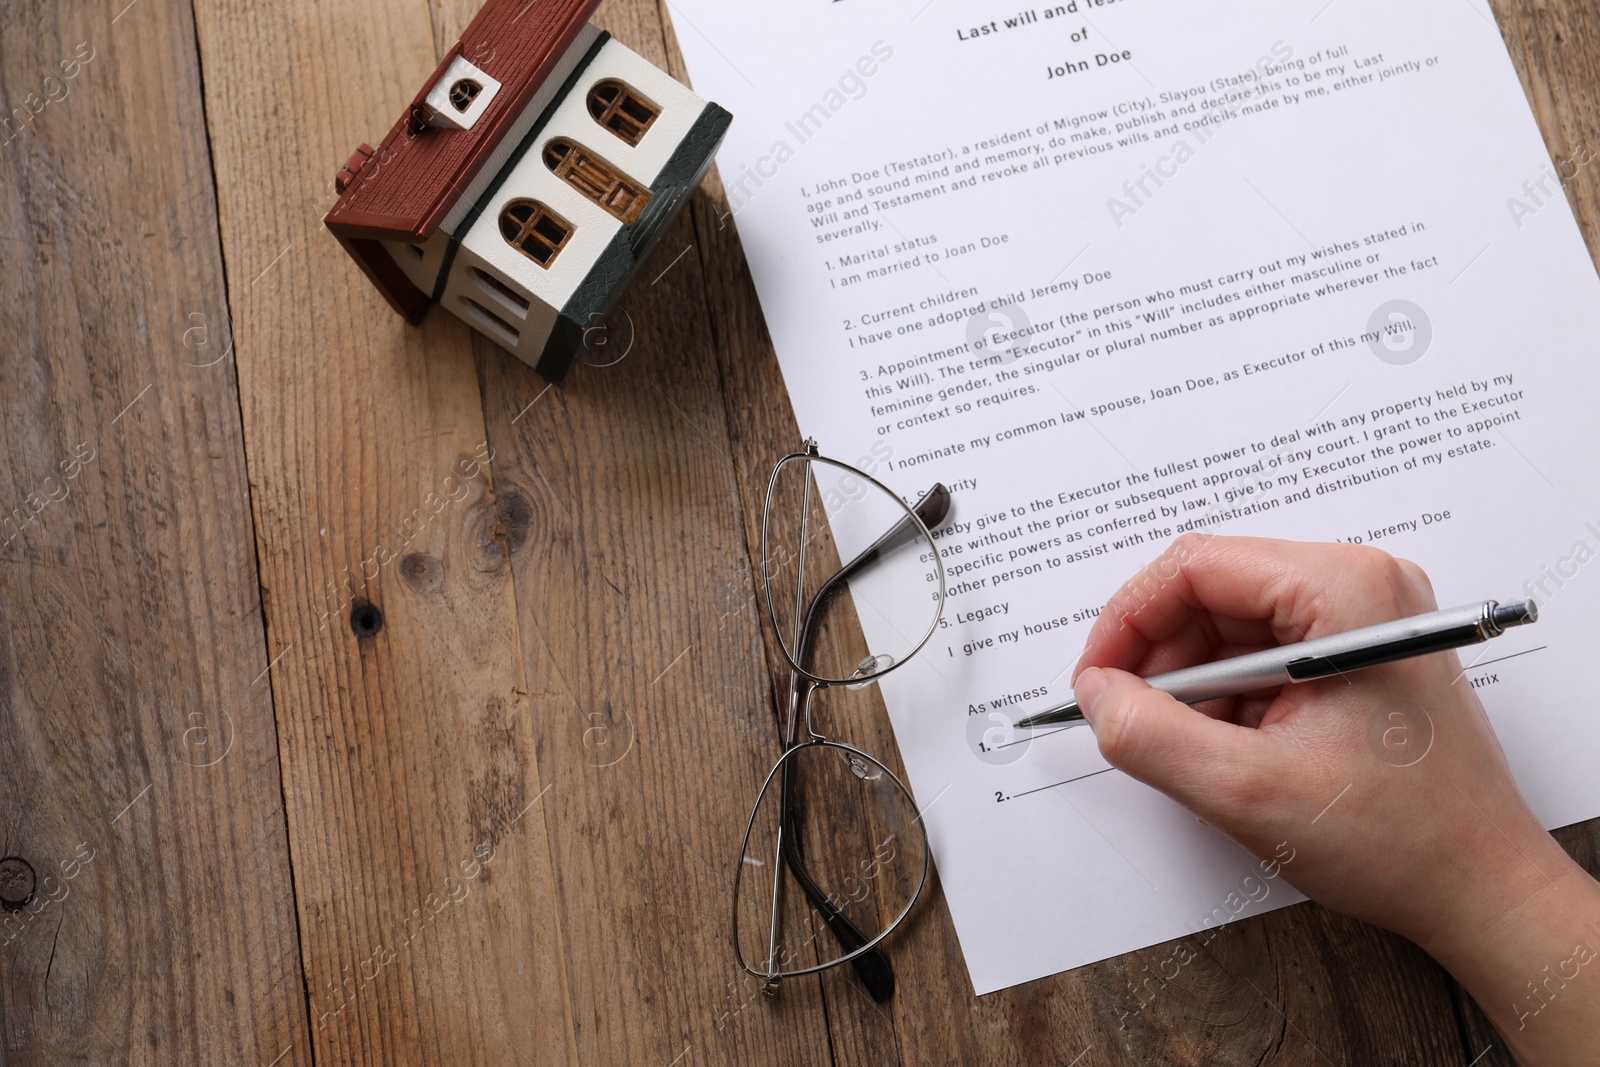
<point x="1118" y="269"/>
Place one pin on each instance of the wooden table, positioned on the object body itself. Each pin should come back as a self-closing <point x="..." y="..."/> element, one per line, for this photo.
<point x="320" y="751"/>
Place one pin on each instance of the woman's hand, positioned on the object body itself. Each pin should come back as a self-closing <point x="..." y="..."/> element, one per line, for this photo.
<point x="1388" y="783"/>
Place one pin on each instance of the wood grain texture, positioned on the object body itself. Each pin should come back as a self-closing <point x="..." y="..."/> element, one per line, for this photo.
<point x="138" y="758"/>
<point x="513" y="806"/>
<point x="642" y="644"/>
<point x="424" y="888"/>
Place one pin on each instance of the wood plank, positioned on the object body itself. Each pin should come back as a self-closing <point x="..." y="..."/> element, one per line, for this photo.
<point x="648" y="689"/>
<point x="138" y="757"/>
<point x="416" y="808"/>
<point x="1555" y="46"/>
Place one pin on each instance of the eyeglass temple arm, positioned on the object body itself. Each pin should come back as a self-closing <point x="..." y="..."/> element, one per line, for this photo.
<point x="872" y="965"/>
<point x="932" y="509"/>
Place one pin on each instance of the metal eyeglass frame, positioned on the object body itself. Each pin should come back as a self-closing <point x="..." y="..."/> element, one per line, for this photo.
<point x="860" y="951"/>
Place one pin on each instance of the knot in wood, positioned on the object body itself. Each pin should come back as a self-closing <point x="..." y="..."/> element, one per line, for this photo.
<point x="16" y="883"/>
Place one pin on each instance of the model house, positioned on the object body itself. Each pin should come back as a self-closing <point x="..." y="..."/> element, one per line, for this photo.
<point x="527" y="181"/>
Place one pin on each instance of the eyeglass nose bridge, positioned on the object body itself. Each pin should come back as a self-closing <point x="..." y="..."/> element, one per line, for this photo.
<point x="802" y="690"/>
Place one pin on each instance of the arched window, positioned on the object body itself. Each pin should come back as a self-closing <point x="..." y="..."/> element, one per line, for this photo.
<point x="463" y="93"/>
<point x="595" y="179"/>
<point x="621" y="110"/>
<point x="534" y="230"/>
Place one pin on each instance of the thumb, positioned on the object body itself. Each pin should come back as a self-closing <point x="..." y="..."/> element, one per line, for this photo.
<point x="1214" y="768"/>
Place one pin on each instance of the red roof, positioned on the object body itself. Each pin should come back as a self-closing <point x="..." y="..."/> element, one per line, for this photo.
<point x="413" y="179"/>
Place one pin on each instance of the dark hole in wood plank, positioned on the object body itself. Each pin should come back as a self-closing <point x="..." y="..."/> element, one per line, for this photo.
<point x="17" y="883"/>
<point x="365" y="619"/>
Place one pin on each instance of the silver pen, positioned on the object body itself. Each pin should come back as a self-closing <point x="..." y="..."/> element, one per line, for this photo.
<point x="1325" y="656"/>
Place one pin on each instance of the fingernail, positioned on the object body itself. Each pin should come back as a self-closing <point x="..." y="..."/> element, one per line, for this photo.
<point x="1087" y="690"/>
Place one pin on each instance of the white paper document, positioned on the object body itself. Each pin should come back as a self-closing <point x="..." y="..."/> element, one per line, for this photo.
<point x="1117" y="269"/>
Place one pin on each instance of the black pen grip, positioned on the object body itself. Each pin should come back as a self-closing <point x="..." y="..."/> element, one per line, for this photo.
<point x="1404" y="648"/>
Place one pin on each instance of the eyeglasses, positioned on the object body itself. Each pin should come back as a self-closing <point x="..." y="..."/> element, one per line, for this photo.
<point x="831" y="818"/>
